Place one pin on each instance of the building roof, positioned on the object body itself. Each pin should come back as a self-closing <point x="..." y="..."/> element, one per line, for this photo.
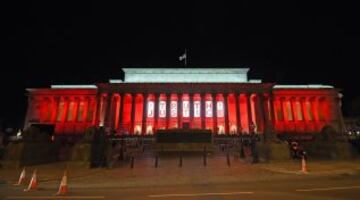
<point x="310" y="86"/>
<point x="184" y="75"/>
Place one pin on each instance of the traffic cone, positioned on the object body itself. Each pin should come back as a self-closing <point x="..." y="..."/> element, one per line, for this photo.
<point x="21" y="178"/>
<point x="33" y="183"/>
<point x="303" y="165"/>
<point x="63" y="189"/>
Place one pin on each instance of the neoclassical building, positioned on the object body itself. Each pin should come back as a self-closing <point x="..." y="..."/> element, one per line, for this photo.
<point x="223" y="100"/>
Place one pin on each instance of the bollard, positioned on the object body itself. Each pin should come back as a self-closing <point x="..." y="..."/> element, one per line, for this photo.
<point x="204" y="156"/>
<point x="132" y="162"/>
<point x="228" y="159"/>
<point x="180" y="160"/>
<point x="156" y="160"/>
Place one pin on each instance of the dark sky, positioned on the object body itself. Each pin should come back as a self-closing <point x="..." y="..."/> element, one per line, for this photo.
<point x="74" y="42"/>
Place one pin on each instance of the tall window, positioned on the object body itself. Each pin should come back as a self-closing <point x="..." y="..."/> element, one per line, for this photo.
<point x="162" y="109"/>
<point x="173" y="108"/>
<point x="220" y="109"/>
<point x="197" y="109"/>
<point x="150" y="109"/>
<point x="208" y="108"/>
<point x="186" y="110"/>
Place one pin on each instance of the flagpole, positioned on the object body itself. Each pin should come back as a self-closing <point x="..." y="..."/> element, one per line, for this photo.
<point x="185" y="58"/>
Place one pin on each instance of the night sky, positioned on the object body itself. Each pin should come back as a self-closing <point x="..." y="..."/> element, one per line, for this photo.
<point x="291" y="42"/>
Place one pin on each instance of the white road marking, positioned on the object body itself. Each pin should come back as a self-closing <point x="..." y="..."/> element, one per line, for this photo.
<point x="329" y="188"/>
<point x="199" y="194"/>
<point x="55" y="197"/>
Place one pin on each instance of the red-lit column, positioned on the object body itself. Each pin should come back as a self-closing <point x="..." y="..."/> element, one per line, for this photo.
<point x="302" y="107"/>
<point x="116" y="111"/>
<point x="121" y="112"/>
<point x="248" y="104"/>
<point x="191" y="102"/>
<point x="74" y="114"/>
<point x="314" y="112"/>
<point x="55" y="108"/>
<point x="283" y="112"/>
<point x="293" y="109"/>
<point x="76" y="109"/>
<point x="107" y="111"/>
<point x="271" y="109"/>
<point x="294" y="113"/>
<point x="66" y="113"/>
<point x="304" y="113"/>
<point x="202" y="110"/>
<point x="262" y="102"/>
<point x="180" y="110"/>
<point x="213" y="96"/>
<point x="312" y="107"/>
<point x="145" y="102"/>
<point x="66" y="109"/>
<point x="156" y="117"/>
<point x="133" y="106"/>
<point x="85" y="111"/>
<point x="111" y="111"/>
<point x="257" y="112"/>
<point x="238" y="115"/>
<point x="168" y="98"/>
<point x="226" y="113"/>
<point x="267" y="116"/>
<point x="100" y="110"/>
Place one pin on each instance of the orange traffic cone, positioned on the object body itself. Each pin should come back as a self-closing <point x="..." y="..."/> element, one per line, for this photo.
<point x="303" y="165"/>
<point x="63" y="189"/>
<point x="21" y="178"/>
<point x="33" y="183"/>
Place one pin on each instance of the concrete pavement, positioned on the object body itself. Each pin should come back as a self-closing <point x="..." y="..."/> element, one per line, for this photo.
<point x="215" y="181"/>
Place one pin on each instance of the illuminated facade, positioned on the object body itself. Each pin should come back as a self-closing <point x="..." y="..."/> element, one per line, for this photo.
<point x="222" y="100"/>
